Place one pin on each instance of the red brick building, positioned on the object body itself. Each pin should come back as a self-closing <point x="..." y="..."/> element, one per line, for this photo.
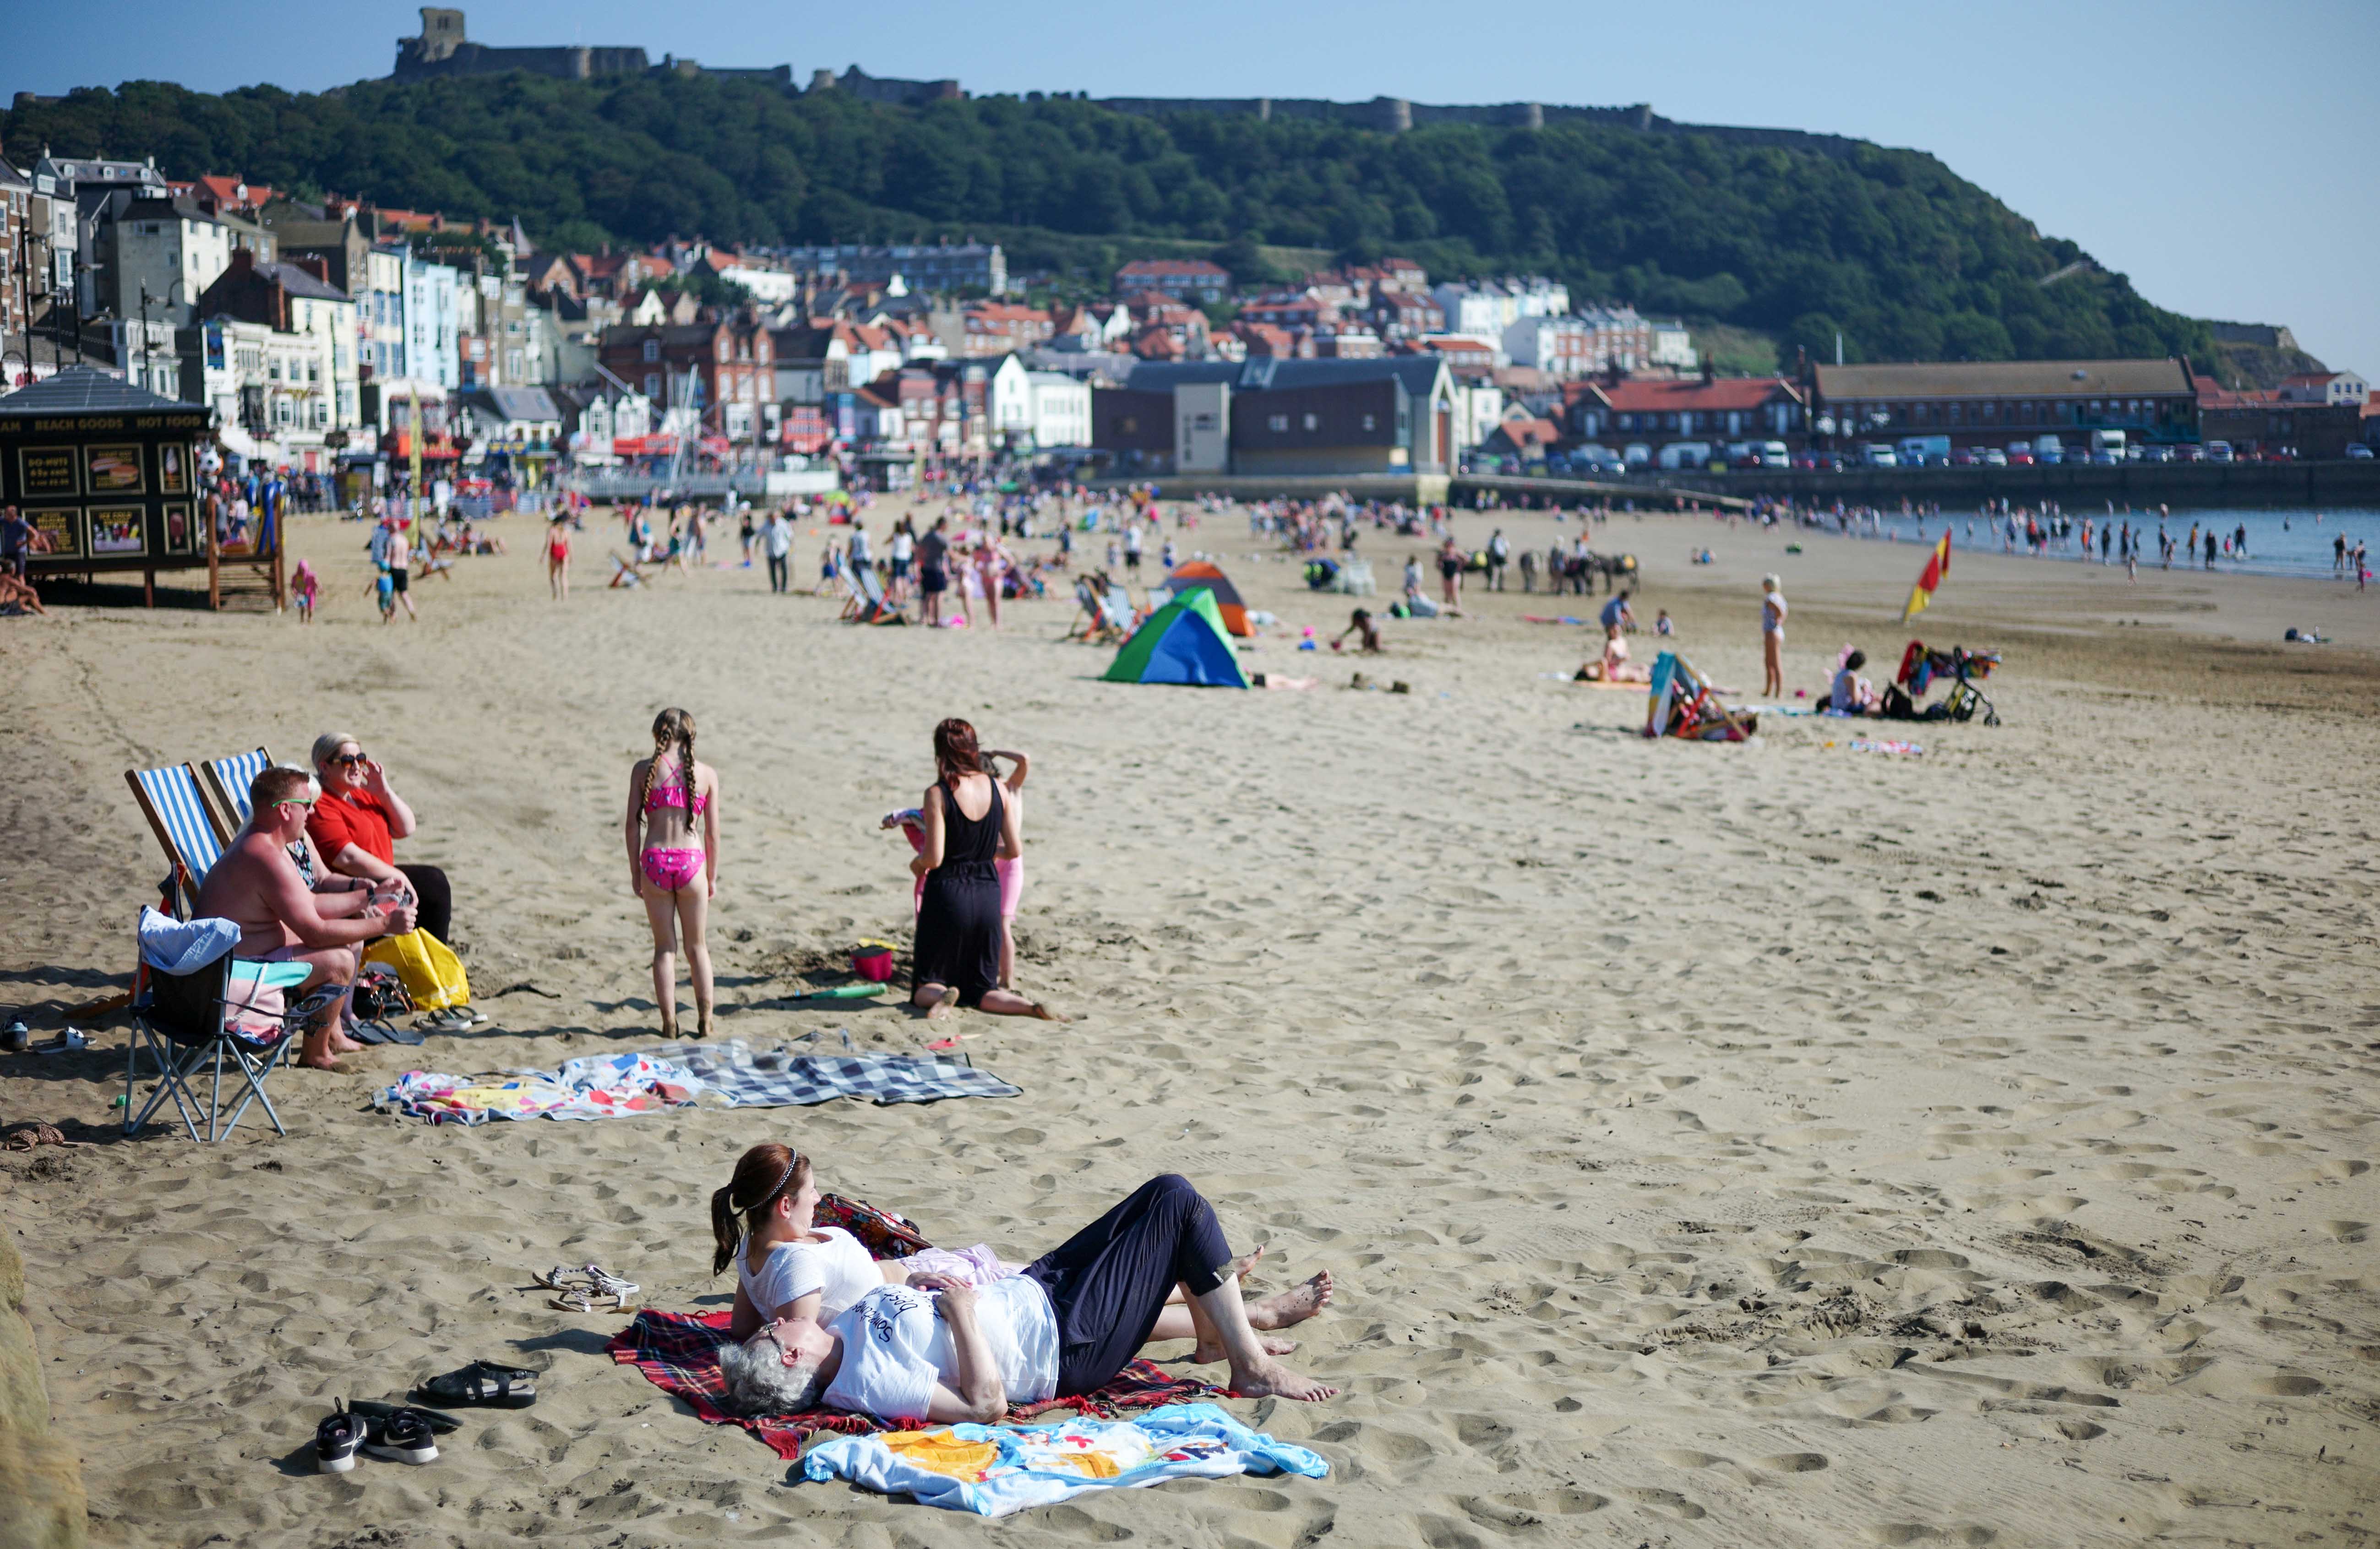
<point x="725" y="371"/>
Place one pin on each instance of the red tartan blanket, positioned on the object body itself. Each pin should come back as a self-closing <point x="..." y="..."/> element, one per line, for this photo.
<point x="678" y="1352"/>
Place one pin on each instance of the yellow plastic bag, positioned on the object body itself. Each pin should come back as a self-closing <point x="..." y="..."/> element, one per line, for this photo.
<point x="429" y="969"/>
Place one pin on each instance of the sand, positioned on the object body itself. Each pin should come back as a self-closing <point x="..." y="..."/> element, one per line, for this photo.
<point x="1714" y="1145"/>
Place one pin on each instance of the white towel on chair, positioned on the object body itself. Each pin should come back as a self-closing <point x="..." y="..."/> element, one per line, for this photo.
<point x="179" y="947"/>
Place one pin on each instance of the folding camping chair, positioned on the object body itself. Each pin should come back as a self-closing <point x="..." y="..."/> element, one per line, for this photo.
<point x="624" y="573"/>
<point x="187" y="1021"/>
<point x="227" y="780"/>
<point x="187" y="832"/>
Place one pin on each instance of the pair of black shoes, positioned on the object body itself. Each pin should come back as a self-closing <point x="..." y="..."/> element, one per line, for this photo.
<point x="390" y="1431"/>
<point x="407" y="1433"/>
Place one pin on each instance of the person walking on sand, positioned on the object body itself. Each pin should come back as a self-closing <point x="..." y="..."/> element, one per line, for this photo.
<point x="673" y="872"/>
<point x="777" y="542"/>
<point x="969" y="828"/>
<point x="1772" y="637"/>
<point x="987" y="574"/>
<point x="557" y="555"/>
<point x="400" y="555"/>
<point x="933" y="579"/>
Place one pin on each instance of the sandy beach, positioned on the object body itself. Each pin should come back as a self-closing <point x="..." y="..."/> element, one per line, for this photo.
<point x="1714" y="1145"/>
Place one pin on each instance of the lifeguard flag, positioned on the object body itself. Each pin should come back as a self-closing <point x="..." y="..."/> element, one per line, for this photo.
<point x="1938" y="564"/>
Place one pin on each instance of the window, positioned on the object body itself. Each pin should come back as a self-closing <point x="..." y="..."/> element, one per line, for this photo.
<point x="652" y="384"/>
<point x="1368" y="421"/>
<point x="1278" y="424"/>
<point x="652" y="351"/>
<point x="1312" y="421"/>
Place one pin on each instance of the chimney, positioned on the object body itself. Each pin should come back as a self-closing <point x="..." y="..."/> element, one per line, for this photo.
<point x="316" y="265"/>
<point x="1708" y="369"/>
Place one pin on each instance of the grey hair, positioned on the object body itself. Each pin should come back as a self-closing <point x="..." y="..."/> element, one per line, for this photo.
<point x="759" y="1381"/>
<point x="330" y="742"/>
<point x="1770" y="582"/>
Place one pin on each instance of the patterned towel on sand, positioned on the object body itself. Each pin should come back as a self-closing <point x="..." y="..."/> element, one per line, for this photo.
<point x="996" y="1469"/>
<point x="678" y="1352"/>
<point x="780" y="1078"/>
<point x="616" y="1085"/>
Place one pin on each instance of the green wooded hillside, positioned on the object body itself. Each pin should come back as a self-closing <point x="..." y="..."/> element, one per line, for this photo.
<point x="1890" y="247"/>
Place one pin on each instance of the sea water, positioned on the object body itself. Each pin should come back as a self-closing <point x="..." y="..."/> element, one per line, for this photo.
<point x="2285" y="542"/>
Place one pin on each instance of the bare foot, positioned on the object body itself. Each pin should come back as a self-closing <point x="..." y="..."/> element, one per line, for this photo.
<point x="321" y="1062"/>
<point x="702" y="1024"/>
<point x="1294" y="1305"/>
<point x="341" y="1044"/>
<point x="1046" y="1014"/>
<point x="944" y="1004"/>
<point x="1273" y="1380"/>
<point x="1207" y="1355"/>
<point x="669" y="1028"/>
<point x="1246" y="1262"/>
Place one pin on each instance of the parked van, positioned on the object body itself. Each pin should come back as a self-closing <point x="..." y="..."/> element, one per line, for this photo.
<point x="1685" y="454"/>
<point x="1637" y="455"/>
<point x="1875" y="454"/>
<point x="1774" y="455"/>
<point x="2219" y="451"/>
<point x="2108" y="440"/>
<point x="1921" y="452"/>
<point x="2048" y="444"/>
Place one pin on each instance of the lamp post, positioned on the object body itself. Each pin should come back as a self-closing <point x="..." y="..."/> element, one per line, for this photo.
<point x="146" y="301"/>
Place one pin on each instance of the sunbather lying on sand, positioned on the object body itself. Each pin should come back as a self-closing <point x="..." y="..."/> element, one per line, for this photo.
<point x="787" y="1267"/>
<point x="1068" y="1322"/>
<point x="1614" y="667"/>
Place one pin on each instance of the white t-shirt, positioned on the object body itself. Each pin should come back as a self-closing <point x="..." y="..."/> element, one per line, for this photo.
<point x="896" y="1348"/>
<point x="838" y="1268"/>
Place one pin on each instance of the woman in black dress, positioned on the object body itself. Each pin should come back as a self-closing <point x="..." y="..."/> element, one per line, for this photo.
<point x="967" y="828"/>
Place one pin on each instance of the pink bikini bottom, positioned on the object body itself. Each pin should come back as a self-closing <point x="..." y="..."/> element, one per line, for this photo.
<point x="670" y="870"/>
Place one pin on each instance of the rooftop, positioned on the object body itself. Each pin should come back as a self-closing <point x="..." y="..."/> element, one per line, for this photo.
<point x="85" y="388"/>
<point x="2044" y="378"/>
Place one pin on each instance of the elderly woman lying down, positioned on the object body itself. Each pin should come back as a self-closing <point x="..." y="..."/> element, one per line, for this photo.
<point x="937" y="1348"/>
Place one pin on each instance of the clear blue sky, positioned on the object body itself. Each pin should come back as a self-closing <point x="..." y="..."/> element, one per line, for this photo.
<point x="2222" y="155"/>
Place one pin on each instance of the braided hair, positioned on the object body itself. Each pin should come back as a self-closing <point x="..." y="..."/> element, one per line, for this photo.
<point x="672" y="729"/>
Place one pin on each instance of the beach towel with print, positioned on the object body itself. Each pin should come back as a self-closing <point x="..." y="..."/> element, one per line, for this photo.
<point x="995" y="1470"/>
<point x="678" y="1352"/>
<point x="780" y="1078"/>
<point x="601" y="1086"/>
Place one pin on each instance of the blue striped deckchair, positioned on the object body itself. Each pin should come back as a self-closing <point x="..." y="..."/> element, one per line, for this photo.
<point x="227" y="780"/>
<point x="169" y="798"/>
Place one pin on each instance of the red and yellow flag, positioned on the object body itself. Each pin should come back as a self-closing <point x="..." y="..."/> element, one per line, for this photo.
<point x="1938" y="564"/>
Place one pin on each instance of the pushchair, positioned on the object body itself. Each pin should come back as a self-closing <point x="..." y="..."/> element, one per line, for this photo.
<point x="1921" y="665"/>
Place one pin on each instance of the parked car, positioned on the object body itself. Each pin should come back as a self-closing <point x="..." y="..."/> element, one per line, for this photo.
<point x="2189" y="452"/>
<point x="1636" y="454"/>
<point x="1877" y="454"/>
<point x="1966" y="457"/>
<point x="2358" y="453"/>
<point x="2051" y="456"/>
<point x="2154" y="453"/>
<point x="2219" y="451"/>
<point x="2105" y="457"/>
<point x="1994" y="458"/>
<point x="2020" y="457"/>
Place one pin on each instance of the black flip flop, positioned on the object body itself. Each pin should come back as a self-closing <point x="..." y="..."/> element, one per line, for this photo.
<point x="483" y="1384"/>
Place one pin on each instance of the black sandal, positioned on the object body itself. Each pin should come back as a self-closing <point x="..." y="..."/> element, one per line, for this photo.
<point x="374" y="1409"/>
<point x="483" y="1384"/>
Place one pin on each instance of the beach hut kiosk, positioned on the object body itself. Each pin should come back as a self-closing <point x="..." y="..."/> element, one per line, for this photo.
<point x="1181" y="643"/>
<point x="1198" y="574"/>
<point x="107" y="473"/>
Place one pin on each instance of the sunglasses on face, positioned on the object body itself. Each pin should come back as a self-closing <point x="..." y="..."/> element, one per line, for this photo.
<point x="351" y="759"/>
<point x="295" y="801"/>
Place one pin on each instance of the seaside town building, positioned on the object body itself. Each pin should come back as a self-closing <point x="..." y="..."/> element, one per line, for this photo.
<point x="1996" y="401"/>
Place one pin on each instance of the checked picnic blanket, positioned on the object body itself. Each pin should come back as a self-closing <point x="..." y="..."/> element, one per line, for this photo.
<point x="780" y="1078"/>
<point x="678" y="1352"/>
<point x="726" y="1075"/>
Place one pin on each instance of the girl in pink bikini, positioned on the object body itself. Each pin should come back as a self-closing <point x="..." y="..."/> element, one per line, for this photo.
<point x="670" y="867"/>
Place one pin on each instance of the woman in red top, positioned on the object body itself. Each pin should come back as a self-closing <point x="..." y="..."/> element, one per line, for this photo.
<point x="357" y="822"/>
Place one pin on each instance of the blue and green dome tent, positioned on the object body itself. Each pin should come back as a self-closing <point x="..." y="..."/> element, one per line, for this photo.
<point x="1183" y="642"/>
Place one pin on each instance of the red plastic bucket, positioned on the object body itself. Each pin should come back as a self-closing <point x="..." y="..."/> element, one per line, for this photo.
<point x="872" y="963"/>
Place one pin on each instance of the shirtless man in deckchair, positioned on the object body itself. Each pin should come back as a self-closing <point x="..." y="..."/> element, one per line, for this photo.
<point x="257" y="885"/>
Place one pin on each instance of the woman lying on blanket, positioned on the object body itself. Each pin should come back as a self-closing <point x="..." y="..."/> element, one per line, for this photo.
<point x="1068" y="1322"/>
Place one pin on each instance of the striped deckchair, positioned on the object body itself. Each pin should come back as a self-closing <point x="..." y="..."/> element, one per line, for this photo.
<point x="227" y="780"/>
<point x="169" y="798"/>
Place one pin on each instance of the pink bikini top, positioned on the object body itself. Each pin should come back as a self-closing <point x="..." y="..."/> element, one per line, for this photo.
<point x="674" y="794"/>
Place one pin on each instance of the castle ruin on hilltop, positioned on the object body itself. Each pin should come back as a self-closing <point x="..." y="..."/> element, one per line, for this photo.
<point x="442" y="50"/>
